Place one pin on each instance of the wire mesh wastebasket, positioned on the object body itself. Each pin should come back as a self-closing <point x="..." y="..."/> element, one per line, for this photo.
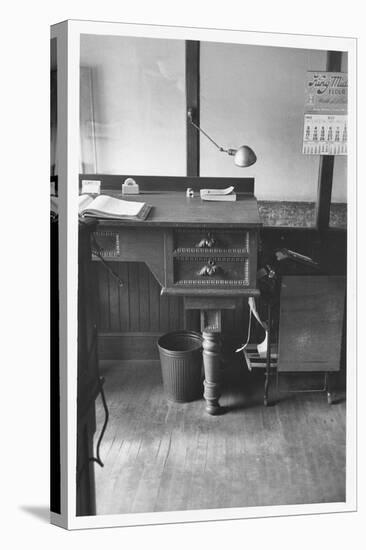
<point x="181" y="365"/>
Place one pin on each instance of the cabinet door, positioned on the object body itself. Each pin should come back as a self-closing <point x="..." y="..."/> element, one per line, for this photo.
<point x="311" y="323"/>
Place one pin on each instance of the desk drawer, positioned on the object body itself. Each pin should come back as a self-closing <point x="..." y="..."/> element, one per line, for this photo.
<point x="188" y="241"/>
<point x="211" y="271"/>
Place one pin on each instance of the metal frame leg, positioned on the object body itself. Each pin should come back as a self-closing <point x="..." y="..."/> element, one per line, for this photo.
<point x="268" y="358"/>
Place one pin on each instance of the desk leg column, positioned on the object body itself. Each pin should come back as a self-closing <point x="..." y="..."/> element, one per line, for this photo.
<point x="212" y="366"/>
<point x="211" y="329"/>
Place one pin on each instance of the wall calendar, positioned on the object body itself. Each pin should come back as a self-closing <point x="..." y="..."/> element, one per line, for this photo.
<point x="325" y="118"/>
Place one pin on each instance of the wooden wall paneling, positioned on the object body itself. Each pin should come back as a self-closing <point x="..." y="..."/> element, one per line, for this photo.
<point x="174" y="313"/>
<point x="91" y="297"/>
<point x="181" y="313"/>
<point x="134" y="296"/>
<point x="333" y="251"/>
<point x="228" y="321"/>
<point x="164" y="324"/>
<point x="124" y="304"/>
<point x="144" y="297"/>
<point x="82" y="341"/>
<point x="305" y="241"/>
<point x="154" y="303"/>
<point x="128" y="346"/>
<point x="103" y="291"/>
<point x="328" y="248"/>
<point x="114" y="307"/>
<point x="95" y="291"/>
<point x="240" y="318"/>
<point x="191" y="319"/>
<point x="235" y="325"/>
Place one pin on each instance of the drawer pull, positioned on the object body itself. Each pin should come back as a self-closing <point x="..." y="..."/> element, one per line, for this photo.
<point x="210" y="269"/>
<point x="206" y="242"/>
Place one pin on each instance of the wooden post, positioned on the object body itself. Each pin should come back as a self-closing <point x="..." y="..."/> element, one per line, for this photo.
<point x="326" y="164"/>
<point x="193" y="102"/>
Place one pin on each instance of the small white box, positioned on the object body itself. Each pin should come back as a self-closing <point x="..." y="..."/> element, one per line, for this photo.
<point x="91" y="186"/>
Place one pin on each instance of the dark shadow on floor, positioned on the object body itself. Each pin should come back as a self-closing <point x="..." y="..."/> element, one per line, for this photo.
<point x="337" y="400"/>
<point x="39" y="512"/>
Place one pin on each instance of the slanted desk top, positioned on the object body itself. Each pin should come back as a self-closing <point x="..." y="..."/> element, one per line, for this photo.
<point x="174" y="209"/>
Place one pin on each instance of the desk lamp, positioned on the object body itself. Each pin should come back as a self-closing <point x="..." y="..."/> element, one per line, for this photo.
<point x="244" y="156"/>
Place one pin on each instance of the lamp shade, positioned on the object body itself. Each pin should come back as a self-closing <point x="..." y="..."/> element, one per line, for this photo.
<point x="244" y="156"/>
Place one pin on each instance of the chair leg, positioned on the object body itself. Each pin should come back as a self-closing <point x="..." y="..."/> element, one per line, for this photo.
<point x="268" y="359"/>
<point x="327" y="389"/>
<point x="266" y="384"/>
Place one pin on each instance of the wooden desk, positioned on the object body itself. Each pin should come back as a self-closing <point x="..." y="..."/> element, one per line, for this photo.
<point x="204" y="251"/>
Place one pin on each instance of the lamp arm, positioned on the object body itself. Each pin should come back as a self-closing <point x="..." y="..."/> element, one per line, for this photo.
<point x="244" y="156"/>
<point x="229" y="151"/>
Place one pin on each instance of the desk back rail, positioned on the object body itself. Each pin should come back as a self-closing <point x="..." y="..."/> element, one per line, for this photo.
<point x="171" y="183"/>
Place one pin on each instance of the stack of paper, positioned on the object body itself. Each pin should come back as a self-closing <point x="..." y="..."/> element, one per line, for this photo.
<point x="104" y="206"/>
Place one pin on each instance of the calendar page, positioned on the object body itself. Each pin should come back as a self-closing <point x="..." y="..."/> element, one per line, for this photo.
<point x="325" y="135"/>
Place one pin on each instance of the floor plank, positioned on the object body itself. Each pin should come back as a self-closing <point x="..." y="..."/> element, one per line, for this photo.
<point x="162" y="456"/>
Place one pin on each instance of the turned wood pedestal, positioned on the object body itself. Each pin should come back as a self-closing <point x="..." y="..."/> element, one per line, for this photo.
<point x="212" y="367"/>
<point x="211" y="326"/>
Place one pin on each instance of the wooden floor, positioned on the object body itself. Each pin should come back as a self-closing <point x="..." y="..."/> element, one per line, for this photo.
<point x="161" y="456"/>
